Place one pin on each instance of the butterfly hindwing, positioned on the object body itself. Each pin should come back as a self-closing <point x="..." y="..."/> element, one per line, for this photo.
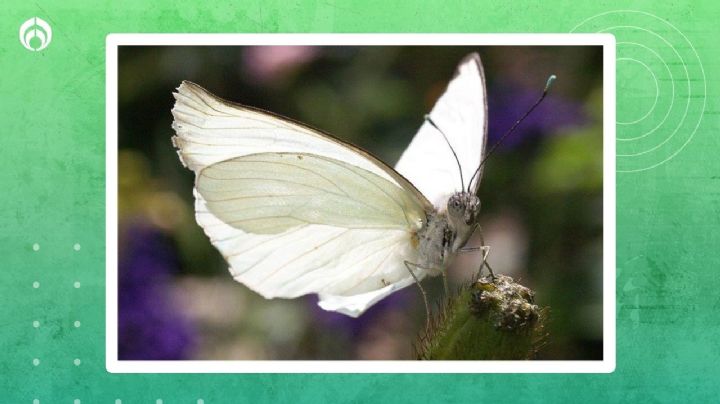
<point x="270" y="193"/>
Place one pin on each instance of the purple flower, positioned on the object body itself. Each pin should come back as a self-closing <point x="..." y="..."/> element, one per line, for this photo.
<point x="508" y="104"/>
<point x="149" y="327"/>
<point x="354" y="328"/>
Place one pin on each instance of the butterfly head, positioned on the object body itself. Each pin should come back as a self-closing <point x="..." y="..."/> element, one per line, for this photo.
<point x="463" y="209"/>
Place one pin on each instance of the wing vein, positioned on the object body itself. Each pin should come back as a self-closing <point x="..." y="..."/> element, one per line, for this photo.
<point x="309" y="272"/>
<point x="241" y="108"/>
<point x="265" y="179"/>
<point x="313" y="249"/>
<point x="301" y="168"/>
<point x="399" y="204"/>
<point x="285" y="234"/>
<point x="391" y="250"/>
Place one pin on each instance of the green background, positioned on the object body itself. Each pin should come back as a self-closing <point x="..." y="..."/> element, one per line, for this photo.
<point x="52" y="175"/>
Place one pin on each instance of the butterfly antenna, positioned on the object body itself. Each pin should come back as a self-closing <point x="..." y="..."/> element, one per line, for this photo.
<point x="430" y="121"/>
<point x="549" y="82"/>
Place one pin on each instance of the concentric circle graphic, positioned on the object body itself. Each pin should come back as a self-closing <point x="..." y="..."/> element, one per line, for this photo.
<point x="657" y="90"/>
<point x="661" y="87"/>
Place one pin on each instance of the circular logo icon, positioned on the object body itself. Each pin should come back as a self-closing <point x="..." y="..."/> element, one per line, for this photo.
<point x="35" y="34"/>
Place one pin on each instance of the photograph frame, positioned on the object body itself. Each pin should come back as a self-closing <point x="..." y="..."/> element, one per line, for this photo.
<point x="606" y="365"/>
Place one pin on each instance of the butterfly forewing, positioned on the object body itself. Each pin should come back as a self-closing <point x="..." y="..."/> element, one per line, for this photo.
<point x="210" y="130"/>
<point x="461" y="114"/>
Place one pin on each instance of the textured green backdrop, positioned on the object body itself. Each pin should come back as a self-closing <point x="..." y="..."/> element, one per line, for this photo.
<point x="52" y="176"/>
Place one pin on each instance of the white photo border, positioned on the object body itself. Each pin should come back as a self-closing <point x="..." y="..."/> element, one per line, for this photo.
<point x="606" y="365"/>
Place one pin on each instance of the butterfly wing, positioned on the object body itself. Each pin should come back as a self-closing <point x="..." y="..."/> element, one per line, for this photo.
<point x="293" y="210"/>
<point x="461" y="114"/>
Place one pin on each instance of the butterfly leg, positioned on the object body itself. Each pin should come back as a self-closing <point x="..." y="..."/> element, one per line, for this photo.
<point x="485" y="252"/>
<point x="492" y="274"/>
<point x="485" y="255"/>
<point x="408" y="264"/>
<point x="485" y="263"/>
<point x="445" y="281"/>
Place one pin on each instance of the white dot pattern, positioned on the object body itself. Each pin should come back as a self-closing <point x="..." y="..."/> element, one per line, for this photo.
<point x="76" y="324"/>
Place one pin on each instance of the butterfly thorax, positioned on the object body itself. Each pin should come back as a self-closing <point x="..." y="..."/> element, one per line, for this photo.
<point x="446" y="232"/>
<point x="433" y="241"/>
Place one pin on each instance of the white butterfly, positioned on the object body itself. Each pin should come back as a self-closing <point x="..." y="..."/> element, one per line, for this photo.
<point x="295" y="211"/>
